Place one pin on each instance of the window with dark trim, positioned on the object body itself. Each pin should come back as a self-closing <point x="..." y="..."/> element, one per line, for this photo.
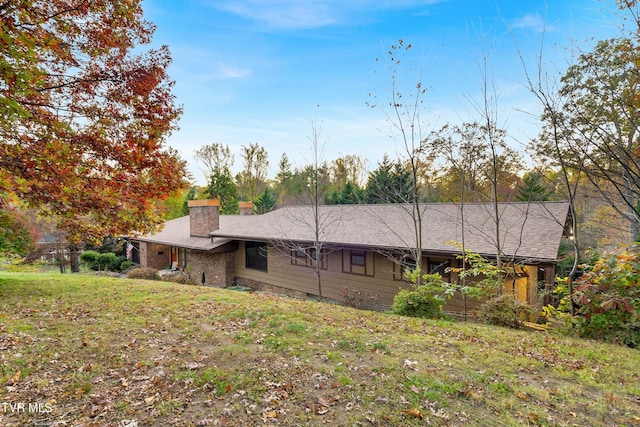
<point x="357" y="262"/>
<point x="358" y="259"/>
<point x="256" y="255"/>
<point x="307" y="257"/>
<point x="400" y="267"/>
<point x="440" y="267"/>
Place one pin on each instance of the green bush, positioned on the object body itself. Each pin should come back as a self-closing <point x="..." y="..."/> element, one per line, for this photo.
<point x="424" y="301"/>
<point x="90" y="259"/>
<point x="505" y="310"/>
<point x="144" y="273"/>
<point x="107" y="261"/>
<point x="607" y="297"/>
<point x="126" y="265"/>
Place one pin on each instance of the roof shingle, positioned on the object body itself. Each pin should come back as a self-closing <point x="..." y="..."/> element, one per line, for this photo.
<point x="527" y="230"/>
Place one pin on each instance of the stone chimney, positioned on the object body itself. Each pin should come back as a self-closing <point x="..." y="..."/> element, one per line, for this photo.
<point x="204" y="217"/>
<point x="246" y="208"/>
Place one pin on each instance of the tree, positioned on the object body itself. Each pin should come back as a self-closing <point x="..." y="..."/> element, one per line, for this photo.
<point x="286" y="186"/>
<point x="175" y="205"/>
<point x="348" y="168"/>
<point x="601" y="124"/>
<point x="531" y="188"/>
<point x="404" y="114"/>
<point x="17" y="236"/>
<point x="191" y="195"/>
<point x="223" y="187"/>
<point x="349" y="194"/>
<point x="252" y="179"/>
<point x="85" y="113"/>
<point x="214" y="158"/>
<point x="265" y="202"/>
<point x="314" y="180"/>
<point x="390" y="182"/>
<point x="551" y="146"/>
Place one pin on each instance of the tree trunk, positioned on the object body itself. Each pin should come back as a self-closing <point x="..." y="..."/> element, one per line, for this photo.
<point x="74" y="258"/>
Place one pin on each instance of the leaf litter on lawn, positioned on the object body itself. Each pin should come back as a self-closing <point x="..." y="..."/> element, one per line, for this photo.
<point x="92" y="351"/>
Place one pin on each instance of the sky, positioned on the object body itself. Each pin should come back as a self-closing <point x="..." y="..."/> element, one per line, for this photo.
<point x="268" y="71"/>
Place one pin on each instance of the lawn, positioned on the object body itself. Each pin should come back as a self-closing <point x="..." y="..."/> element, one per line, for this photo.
<point x="92" y="350"/>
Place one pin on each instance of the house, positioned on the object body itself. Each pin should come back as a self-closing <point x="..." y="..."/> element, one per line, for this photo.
<point x="364" y="247"/>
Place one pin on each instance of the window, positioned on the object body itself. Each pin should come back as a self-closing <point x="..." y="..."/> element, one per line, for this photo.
<point x="401" y="265"/>
<point x="357" y="262"/>
<point x="440" y="267"/>
<point x="307" y="257"/>
<point x="358" y="259"/>
<point x="256" y="255"/>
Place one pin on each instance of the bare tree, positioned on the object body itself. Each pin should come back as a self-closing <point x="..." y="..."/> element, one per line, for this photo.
<point x="404" y="114"/>
<point x="214" y="158"/>
<point x="550" y="146"/>
<point x="311" y="219"/>
<point x="492" y="139"/>
<point x="252" y="179"/>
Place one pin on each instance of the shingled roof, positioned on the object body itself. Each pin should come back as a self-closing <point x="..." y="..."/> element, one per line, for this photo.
<point x="175" y="232"/>
<point x="528" y="231"/>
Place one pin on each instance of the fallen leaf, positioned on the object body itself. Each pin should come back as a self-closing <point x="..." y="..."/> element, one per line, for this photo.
<point x="271" y="414"/>
<point x="413" y="413"/>
<point x="522" y="396"/>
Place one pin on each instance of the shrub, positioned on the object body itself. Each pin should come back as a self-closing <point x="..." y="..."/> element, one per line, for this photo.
<point x="505" y="310"/>
<point x="107" y="261"/>
<point x="608" y="299"/>
<point x="126" y="265"/>
<point x="144" y="273"/>
<point x="424" y="301"/>
<point x="14" y="262"/>
<point x="183" y="278"/>
<point x="90" y="259"/>
<point x="355" y="298"/>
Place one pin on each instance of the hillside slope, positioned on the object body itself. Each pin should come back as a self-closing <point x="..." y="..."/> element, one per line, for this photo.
<point x="91" y="350"/>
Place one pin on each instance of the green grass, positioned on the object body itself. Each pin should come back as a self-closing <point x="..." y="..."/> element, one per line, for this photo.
<point x="106" y="350"/>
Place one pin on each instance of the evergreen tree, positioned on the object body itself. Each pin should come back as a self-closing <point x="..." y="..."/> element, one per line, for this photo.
<point x="531" y="189"/>
<point x="265" y="202"/>
<point x="349" y="194"/>
<point x="223" y="187"/>
<point x="390" y="182"/>
<point x="191" y="195"/>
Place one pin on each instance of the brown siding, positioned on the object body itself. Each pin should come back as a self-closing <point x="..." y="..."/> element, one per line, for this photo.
<point x="379" y="288"/>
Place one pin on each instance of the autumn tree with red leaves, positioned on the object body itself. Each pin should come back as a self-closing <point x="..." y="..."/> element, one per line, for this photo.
<point x="85" y="113"/>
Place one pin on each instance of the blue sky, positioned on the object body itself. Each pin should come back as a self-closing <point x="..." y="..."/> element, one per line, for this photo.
<point x="261" y="71"/>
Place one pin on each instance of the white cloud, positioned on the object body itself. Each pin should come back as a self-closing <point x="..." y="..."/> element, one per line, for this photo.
<point x="226" y="71"/>
<point x="530" y="21"/>
<point x="300" y="14"/>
